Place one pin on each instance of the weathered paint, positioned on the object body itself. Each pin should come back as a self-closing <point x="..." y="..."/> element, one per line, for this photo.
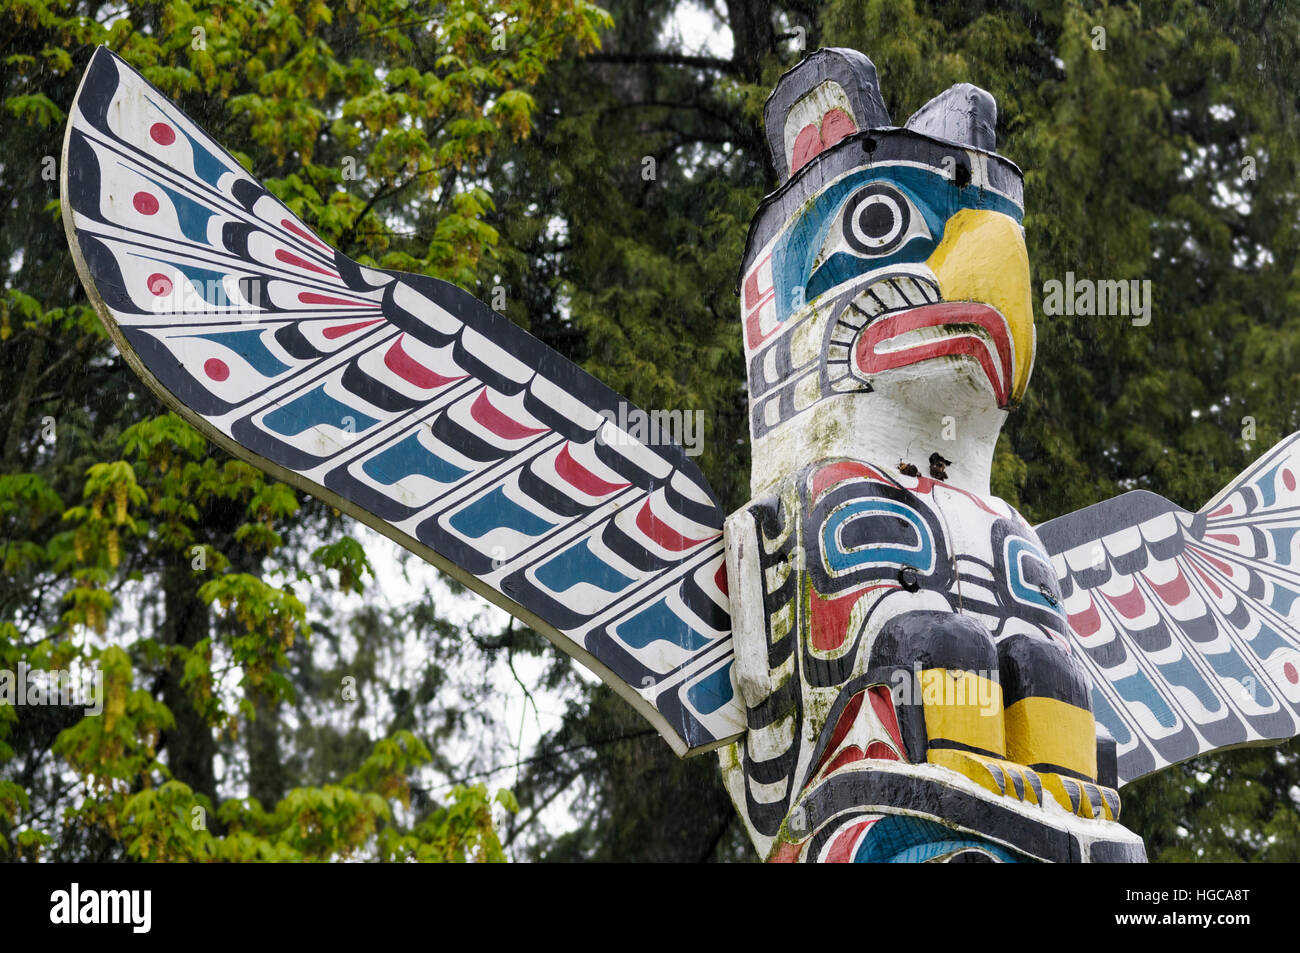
<point x="887" y="323"/>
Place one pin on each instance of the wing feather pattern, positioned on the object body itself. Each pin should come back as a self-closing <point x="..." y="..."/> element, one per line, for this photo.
<point x="404" y="401"/>
<point x="1189" y="622"/>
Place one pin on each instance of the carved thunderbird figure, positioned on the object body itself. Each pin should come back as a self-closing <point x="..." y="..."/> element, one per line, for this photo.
<point x="892" y="662"/>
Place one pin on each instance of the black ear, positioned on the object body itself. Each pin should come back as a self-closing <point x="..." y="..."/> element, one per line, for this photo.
<point x="830" y="94"/>
<point x="962" y="113"/>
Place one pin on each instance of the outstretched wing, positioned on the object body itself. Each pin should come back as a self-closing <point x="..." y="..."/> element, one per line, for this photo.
<point x="403" y="401"/>
<point x="1188" y="621"/>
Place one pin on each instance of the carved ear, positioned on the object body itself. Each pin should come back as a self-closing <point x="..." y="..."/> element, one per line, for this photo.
<point x="962" y="113"/>
<point x="831" y="94"/>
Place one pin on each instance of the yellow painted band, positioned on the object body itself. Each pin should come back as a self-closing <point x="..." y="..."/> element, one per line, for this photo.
<point x="963" y="707"/>
<point x="1049" y="731"/>
<point x="967" y="765"/>
<point x="984" y="772"/>
<point x="1054" y="785"/>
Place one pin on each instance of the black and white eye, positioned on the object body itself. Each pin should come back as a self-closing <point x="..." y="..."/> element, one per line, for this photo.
<point x="877" y="220"/>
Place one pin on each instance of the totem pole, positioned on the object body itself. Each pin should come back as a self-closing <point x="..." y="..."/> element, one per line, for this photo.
<point x="892" y="664"/>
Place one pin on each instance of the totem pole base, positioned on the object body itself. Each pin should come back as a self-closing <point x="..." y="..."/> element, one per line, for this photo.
<point x="888" y="812"/>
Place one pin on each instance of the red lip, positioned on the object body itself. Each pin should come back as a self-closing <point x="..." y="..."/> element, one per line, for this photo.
<point x="868" y="361"/>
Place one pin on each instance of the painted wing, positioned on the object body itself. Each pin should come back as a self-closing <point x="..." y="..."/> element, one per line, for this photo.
<point x="1188" y="621"/>
<point x="403" y="401"/>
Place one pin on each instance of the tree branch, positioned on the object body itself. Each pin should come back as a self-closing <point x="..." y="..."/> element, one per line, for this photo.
<point x="664" y="59"/>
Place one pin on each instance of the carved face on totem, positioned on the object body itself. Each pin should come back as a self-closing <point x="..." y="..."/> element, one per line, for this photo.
<point x="886" y="278"/>
<point x="887" y="322"/>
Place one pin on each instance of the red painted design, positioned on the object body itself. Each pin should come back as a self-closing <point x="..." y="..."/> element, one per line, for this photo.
<point x="837" y="472"/>
<point x="868" y="361"/>
<point x="754" y="331"/>
<point x="303" y="233"/>
<point x="162" y="134"/>
<point x="1291" y="675"/>
<point x="756" y="300"/>
<point x="876" y="751"/>
<point x="849" y="755"/>
<point x="216" y="369"/>
<point x="1087" y="622"/>
<point x="341" y="329"/>
<point x="841" y="851"/>
<point x="1218" y="593"/>
<point x="412" y="371"/>
<point x="289" y="258"/>
<point x="145" y="203"/>
<point x="311" y="297"/>
<point x="160" y="285"/>
<point x="1172" y="592"/>
<point x="662" y="533"/>
<point x="720" y="578"/>
<point x="576" y="474"/>
<point x="754" y="297"/>
<point x="1131" y="604"/>
<point x="786" y="854"/>
<point x="882" y="703"/>
<point x="1288" y="478"/>
<point x="843" y="725"/>
<point x="1221" y="511"/>
<point x="926" y="485"/>
<point x="500" y="424"/>
<point x="836" y="124"/>
<point x="1231" y="539"/>
<point x="879" y="751"/>
<point x="830" y="619"/>
<point x="807" y="145"/>
<point x="1218" y="564"/>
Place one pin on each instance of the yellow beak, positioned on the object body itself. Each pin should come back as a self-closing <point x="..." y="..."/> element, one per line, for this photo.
<point x="982" y="258"/>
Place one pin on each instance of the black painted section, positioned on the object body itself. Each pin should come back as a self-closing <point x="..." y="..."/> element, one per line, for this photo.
<point x="867" y="789"/>
<point x="1114" y="852"/>
<point x="1107" y="762"/>
<point x="927" y="639"/>
<point x="854" y="73"/>
<point x="1038" y="668"/>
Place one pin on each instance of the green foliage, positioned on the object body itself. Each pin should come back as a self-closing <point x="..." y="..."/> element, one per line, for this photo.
<point x="134" y="551"/>
<point x="358" y="819"/>
<point x="349" y="559"/>
<point x="1136" y="160"/>
<point x="191" y="580"/>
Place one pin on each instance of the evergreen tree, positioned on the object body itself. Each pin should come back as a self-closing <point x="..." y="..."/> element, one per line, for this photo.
<point x="1160" y="143"/>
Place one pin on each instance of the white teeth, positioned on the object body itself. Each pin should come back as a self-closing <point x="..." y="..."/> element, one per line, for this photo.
<point x="890" y="296"/>
<point x="909" y="290"/>
<point x="897" y="292"/>
<point x="919" y="291"/>
<point x="870" y="305"/>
